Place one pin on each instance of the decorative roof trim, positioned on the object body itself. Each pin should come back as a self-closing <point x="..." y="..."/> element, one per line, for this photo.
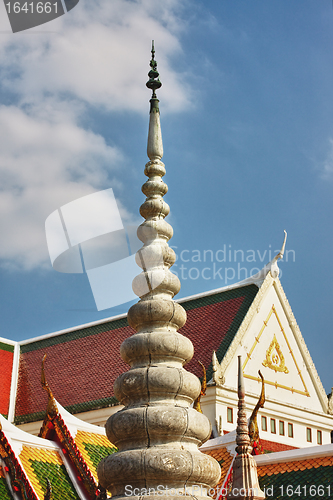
<point x="8" y="342"/>
<point x="76" y="408"/>
<point x="74" y="453"/>
<point x="18" y="479"/>
<point x="72" y="329"/>
<point x="302" y="345"/>
<point x="14" y="382"/>
<point x="54" y="422"/>
<point x="325" y="450"/>
<point x="69" y="448"/>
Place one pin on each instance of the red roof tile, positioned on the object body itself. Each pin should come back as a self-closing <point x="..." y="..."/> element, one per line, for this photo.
<point x="6" y="363"/>
<point x="271" y="446"/>
<point x="83" y="364"/>
<point x="207" y="327"/>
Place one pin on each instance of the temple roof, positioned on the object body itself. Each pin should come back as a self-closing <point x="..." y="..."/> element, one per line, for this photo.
<point x="66" y="454"/>
<point x="89" y="355"/>
<point x="303" y="467"/>
<point x="82" y="443"/>
<point x="29" y="461"/>
<point x="300" y="470"/>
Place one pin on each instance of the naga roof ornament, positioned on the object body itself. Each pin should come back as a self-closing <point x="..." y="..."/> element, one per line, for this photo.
<point x="253" y="423"/>
<point x="52" y="409"/>
<point x="196" y="404"/>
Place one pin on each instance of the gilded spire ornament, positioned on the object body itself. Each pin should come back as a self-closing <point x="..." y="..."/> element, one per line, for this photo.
<point x="157" y="433"/>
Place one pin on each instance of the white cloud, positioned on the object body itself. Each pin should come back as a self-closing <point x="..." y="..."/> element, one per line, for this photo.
<point x="100" y="54"/>
<point x="42" y="166"/>
<point x="97" y="56"/>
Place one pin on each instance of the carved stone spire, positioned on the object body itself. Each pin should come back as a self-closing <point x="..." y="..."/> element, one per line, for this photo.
<point x="245" y="484"/>
<point x="157" y="433"/>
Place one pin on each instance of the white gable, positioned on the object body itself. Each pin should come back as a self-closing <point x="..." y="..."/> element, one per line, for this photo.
<point x="296" y="408"/>
<point x="272" y="343"/>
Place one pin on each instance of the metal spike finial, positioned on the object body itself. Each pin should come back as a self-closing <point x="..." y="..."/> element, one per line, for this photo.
<point x="154" y="81"/>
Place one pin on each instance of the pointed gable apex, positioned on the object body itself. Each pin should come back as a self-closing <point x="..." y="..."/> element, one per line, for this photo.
<point x="269" y="339"/>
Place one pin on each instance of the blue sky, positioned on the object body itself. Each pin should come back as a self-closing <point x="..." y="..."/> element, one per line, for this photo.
<point x="246" y="111"/>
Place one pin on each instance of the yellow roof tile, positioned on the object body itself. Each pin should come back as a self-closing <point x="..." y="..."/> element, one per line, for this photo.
<point x="30" y="454"/>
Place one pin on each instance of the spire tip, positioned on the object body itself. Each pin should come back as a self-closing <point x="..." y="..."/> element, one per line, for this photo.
<point x="154" y="81"/>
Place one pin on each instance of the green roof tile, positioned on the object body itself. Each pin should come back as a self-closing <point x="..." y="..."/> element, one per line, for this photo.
<point x="62" y="488"/>
<point x="4" y="491"/>
<point x="296" y="485"/>
<point x="97" y="452"/>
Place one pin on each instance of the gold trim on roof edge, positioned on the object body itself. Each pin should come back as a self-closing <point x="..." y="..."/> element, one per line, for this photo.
<point x="302" y="346"/>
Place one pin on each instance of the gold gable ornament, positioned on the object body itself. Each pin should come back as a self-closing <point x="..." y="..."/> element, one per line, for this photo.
<point x="275" y="360"/>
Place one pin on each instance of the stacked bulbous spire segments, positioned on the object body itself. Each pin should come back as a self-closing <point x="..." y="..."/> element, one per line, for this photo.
<point x="155" y="257"/>
<point x="157" y="432"/>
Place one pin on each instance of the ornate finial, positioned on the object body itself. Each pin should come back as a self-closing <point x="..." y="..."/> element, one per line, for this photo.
<point x="101" y="493"/>
<point x="48" y="493"/>
<point x="52" y="409"/>
<point x="253" y="424"/>
<point x="155" y="144"/>
<point x="273" y="264"/>
<point x="218" y="376"/>
<point x="196" y="404"/>
<point x="245" y="484"/>
<point x="242" y="439"/>
<point x="154" y="81"/>
<point x="330" y="403"/>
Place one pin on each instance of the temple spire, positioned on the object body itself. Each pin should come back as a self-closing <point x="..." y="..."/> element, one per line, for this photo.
<point x="157" y="432"/>
<point x="245" y="484"/>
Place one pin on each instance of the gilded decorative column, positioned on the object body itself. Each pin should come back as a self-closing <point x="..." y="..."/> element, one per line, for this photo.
<point x="245" y="484"/>
<point x="157" y="433"/>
